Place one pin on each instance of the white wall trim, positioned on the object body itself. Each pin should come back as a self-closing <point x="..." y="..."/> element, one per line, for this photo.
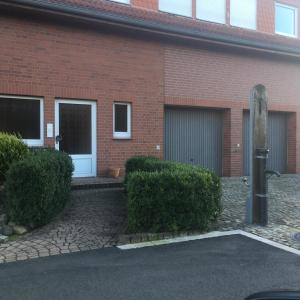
<point x="32" y="142"/>
<point x="121" y="1"/>
<point x="123" y="135"/>
<point x="295" y="9"/>
<point x="93" y="105"/>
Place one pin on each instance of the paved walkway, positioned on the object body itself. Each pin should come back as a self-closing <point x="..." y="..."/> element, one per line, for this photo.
<point x="284" y="209"/>
<point x="93" y="219"/>
<point x="96" y="218"/>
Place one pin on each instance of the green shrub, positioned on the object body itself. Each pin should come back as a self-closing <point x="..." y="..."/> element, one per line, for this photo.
<point x="152" y="164"/>
<point x="138" y="163"/>
<point x="38" y="187"/>
<point x="149" y="164"/>
<point x="11" y="149"/>
<point x="180" y="198"/>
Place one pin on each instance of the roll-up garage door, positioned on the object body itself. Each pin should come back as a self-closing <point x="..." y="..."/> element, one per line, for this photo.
<point x="194" y="136"/>
<point x="277" y="142"/>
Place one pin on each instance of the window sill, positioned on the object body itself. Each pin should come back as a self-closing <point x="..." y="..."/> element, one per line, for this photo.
<point x="122" y="135"/>
<point x="176" y="14"/>
<point x="286" y="35"/>
<point x="243" y="27"/>
<point x="119" y="2"/>
<point x="122" y="139"/>
<point x="34" y="143"/>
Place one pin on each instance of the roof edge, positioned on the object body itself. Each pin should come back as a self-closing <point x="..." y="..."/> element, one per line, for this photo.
<point x="141" y="24"/>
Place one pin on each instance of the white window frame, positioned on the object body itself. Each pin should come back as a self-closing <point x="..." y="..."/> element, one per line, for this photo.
<point x="189" y="15"/>
<point x="127" y="134"/>
<point x="243" y="26"/>
<point x="33" y="142"/>
<point x="209" y="20"/>
<point x="295" y="9"/>
<point x="121" y="1"/>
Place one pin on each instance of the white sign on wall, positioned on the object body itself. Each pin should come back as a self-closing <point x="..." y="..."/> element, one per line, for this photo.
<point x="50" y="130"/>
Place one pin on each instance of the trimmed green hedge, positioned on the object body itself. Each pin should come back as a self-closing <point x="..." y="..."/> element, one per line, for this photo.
<point x="151" y="164"/>
<point x="173" y="198"/>
<point x="140" y="163"/>
<point x="11" y="149"/>
<point x="38" y="187"/>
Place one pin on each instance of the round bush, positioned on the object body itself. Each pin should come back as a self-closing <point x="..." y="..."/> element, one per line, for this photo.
<point x="12" y="149"/>
<point x="38" y="187"/>
<point x="176" y="199"/>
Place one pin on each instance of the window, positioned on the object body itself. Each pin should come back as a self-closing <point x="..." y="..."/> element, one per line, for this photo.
<point x="177" y="7"/>
<point x="243" y="13"/>
<point x="213" y="11"/>
<point x="286" y="20"/>
<point x="23" y="116"/>
<point x="122" y="120"/>
<point x="122" y="1"/>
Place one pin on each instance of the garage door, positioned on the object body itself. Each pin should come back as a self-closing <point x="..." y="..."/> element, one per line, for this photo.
<point x="277" y="142"/>
<point x="194" y="136"/>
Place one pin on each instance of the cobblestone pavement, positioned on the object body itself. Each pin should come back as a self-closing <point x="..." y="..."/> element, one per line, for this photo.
<point x="93" y="219"/>
<point x="96" y="218"/>
<point x="284" y="209"/>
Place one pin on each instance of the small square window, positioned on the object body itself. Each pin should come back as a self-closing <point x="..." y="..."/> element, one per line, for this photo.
<point x="22" y="116"/>
<point x="286" y="20"/>
<point x="122" y="1"/>
<point x="122" y="121"/>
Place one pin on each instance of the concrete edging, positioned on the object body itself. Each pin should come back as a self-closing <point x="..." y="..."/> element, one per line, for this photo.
<point x="91" y="186"/>
<point x="213" y="234"/>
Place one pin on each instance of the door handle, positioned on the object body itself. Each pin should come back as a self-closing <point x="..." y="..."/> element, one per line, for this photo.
<point x="58" y="139"/>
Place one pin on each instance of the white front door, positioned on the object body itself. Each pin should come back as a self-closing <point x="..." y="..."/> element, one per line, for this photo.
<point x="75" y="134"/>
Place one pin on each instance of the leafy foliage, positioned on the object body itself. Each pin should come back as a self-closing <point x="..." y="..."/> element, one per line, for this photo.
<point x="38" y="187"/>
<point x="12" y="149"/>
<point x="171" y="196"/>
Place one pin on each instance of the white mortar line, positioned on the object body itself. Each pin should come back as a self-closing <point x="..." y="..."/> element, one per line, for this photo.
<point x="179" y="239"/>
<point x="269" y="242"/>
<point x="213" y="234"/>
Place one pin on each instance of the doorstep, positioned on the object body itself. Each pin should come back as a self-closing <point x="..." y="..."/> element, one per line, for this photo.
<point x="97" y="183"/>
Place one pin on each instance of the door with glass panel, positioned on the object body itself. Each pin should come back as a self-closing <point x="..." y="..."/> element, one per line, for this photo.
<point x="75" y="134"/>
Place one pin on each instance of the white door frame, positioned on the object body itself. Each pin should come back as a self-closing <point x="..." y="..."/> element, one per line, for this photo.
<point x="93" y="156"/>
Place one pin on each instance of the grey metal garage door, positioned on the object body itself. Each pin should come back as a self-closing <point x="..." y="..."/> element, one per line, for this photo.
<point x="194" y="136"/>
<point x="277" y="142"/>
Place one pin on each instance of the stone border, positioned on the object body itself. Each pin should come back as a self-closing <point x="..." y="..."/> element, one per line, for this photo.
<point x="137" y="238"/>
<point x="213" y="234"/>
<point x="92" y="186"/>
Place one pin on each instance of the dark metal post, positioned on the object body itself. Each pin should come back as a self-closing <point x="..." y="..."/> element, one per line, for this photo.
<point x="257" y="202"/>
<point x="260" y="203"/>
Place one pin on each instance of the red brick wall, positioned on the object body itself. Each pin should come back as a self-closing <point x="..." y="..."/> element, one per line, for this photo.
<point x="68" y="61"/>
<point x="208" y="78"/>
<point x="53" y="61"/>
<point x="215" y="75"/>
<point x="148" y="4"/>
<point x="266" y="16"/>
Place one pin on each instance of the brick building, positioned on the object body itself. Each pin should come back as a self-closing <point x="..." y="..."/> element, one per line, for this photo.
<point x="105" y="80"/>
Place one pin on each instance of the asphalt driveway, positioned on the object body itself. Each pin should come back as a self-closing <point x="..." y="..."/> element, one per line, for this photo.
<point x="229" y="267"/>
